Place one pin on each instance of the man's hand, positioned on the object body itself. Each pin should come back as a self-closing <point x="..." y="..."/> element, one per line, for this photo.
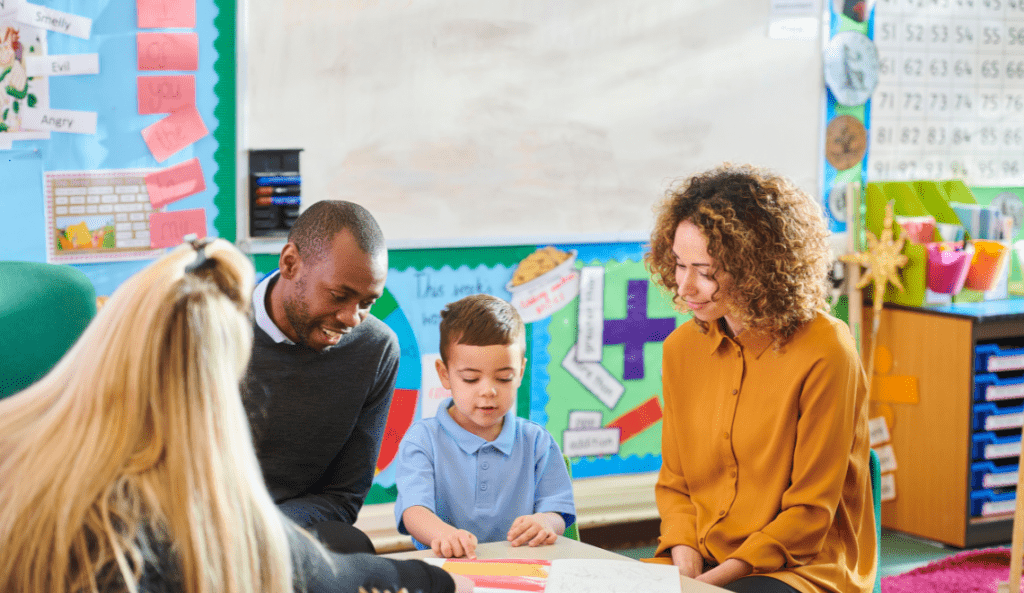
<point x="537" y="529"/>
<point x="457" y="543"/>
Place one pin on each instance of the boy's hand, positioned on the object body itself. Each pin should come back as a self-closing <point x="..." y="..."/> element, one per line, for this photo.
<point x="457" y="543"/>
<point x="536" y="530"/>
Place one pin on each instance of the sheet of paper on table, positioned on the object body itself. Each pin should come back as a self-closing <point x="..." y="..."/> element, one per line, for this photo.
<point x="567" y="575"/>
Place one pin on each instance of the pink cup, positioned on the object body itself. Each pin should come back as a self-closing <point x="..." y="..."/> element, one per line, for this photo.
<point x="987" y="264"/>
<point x="947" y="267"/>
<point x="917" y="229"/>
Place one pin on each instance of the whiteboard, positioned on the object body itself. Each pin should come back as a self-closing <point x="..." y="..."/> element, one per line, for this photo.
<point x="451" y="119"/>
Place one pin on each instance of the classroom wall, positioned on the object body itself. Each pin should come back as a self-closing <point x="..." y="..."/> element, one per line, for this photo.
<point x="456" y="119"/>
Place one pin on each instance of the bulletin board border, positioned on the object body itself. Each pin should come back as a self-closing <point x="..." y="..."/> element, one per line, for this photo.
<point x="225" y="90"/>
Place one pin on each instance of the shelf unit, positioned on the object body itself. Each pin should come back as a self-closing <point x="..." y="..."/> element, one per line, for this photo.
<point x="934" y="439"/>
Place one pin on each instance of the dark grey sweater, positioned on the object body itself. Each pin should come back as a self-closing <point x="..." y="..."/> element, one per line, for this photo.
<point x="318" y="419"/>
<point x="313" y="572"/>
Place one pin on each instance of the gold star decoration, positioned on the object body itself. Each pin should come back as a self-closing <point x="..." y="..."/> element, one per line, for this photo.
<point x="882" y="261"/>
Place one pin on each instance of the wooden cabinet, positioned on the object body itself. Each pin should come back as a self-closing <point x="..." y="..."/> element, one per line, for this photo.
<point x="935" y="440"/>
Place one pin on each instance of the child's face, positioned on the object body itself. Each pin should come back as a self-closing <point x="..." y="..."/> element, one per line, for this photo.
<point x="483" y="381"/>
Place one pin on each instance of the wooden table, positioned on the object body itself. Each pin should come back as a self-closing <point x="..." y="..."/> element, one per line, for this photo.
<point x="563" y="548"/>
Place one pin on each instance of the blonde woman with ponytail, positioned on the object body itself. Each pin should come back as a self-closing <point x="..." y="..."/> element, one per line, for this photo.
<point x="130" y="467"/>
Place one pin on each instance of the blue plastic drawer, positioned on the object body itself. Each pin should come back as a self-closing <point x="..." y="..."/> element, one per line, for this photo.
<point x="985" y="445"/>
<point x="985" y="475"/>
<point x="987" y="502"/>
<point x="991" y="387"/>
<point x="993" y="358"/>
<point x="989" y="416"/>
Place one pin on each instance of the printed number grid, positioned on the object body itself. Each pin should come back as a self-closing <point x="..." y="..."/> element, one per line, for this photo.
<point x="950" y="96"/>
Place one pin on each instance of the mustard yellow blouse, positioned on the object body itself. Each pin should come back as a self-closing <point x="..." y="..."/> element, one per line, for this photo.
<point x="765" y="454"/>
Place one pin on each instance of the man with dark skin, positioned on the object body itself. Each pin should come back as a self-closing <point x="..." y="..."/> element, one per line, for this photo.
<point x="319" y="384"/>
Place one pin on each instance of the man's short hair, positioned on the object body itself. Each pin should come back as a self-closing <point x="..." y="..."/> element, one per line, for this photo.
<point x="314" y="230"/>
<point x="480" y="320"/>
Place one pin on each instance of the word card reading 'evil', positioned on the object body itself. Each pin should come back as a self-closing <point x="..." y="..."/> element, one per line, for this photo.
<point x="174" y="132"/>
<point x="168" y="51"/>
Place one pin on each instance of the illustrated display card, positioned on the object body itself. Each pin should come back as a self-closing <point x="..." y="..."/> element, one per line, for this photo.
<point x="97" y="216"/>
<point x="18" y="90"/>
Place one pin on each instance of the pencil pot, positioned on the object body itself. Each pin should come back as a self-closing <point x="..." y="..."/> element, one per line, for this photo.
<point x="986" y="265"/>
<point x="947" y="267"/>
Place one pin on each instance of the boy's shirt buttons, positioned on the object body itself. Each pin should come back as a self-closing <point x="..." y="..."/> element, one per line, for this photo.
<point x="483" y="487"/>
<point x="484" y="465"/>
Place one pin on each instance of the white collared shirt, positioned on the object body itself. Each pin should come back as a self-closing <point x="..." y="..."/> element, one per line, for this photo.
<point x="259" y="309"/>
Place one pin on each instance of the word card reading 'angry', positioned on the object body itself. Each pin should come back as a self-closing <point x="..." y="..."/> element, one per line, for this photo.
<point x="174" y="132"/>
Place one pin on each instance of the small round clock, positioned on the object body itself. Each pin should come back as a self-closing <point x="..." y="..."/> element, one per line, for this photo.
<point x="851" y="67"/>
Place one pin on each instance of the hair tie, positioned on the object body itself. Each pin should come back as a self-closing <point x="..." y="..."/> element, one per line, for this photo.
<point x="201" y="262"/>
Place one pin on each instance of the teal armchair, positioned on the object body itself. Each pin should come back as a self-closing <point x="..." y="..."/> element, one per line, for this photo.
<point x="43" y="310"/>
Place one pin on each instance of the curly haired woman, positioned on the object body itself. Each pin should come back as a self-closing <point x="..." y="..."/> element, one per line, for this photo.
<point x="765" y="483"/>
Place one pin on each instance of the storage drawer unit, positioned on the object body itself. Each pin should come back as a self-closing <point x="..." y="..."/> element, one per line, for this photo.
<point x="957" y="448"/>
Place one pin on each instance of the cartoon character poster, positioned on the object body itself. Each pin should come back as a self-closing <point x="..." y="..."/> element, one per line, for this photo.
<point x="595" y="324"/>
<point x="18" y="90"/>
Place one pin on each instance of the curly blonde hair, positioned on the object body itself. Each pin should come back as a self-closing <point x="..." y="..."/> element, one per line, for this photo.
<point x="763" y="231"/>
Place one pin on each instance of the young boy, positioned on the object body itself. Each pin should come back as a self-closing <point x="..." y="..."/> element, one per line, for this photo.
<point x="475" y="471"/>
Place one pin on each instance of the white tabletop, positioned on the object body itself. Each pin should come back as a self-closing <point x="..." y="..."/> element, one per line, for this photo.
<point x="563" y="548"/>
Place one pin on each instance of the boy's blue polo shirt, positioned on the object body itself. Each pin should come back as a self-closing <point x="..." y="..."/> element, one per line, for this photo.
<point x="477" y="485"/>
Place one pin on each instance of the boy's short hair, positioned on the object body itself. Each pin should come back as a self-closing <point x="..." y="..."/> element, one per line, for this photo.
<point x="480" y="320"/>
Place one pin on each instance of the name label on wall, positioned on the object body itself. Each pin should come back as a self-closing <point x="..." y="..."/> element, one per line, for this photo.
<point x="59" y="120"/>
<point x="66" y="65"/>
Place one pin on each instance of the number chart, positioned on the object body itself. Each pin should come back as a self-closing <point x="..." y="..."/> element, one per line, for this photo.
<point x="950" y="95"/>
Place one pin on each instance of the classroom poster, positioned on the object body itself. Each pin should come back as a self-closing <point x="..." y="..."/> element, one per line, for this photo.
<point x="97" y="216"/>
<point x="18" y="90"/>
<point x="595" y="324"/>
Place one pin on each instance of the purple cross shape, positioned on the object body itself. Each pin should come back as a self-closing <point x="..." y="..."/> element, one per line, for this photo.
<point x="636" y="329"/>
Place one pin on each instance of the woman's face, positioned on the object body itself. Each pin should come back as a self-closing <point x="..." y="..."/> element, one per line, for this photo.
<point x="702" y="287"/>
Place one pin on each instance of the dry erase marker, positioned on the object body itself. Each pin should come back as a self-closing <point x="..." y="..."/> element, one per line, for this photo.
<point x="278" y="190"/>
<point x="279" y="180"/>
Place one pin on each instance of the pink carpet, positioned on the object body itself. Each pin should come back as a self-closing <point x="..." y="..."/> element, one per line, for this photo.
<point x="973" y="571"/>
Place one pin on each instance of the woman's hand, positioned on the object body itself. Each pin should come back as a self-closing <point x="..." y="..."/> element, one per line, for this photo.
<point x="726" y="572"/>
<point x="688" y="560"/>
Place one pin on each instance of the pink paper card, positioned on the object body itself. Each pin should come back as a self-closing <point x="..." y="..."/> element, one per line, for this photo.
<point x="175" y="183"/>
<point x="167" y="229"/>
<point x="164" y="94"/>
<point x="174" y="132"/>
<point x="168" y="51"/>
<point x="157" y="14"/>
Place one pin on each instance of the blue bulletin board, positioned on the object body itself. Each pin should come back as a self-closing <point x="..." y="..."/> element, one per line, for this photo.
<point x="595" y="324"/>
<point x="117" y="146"/>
